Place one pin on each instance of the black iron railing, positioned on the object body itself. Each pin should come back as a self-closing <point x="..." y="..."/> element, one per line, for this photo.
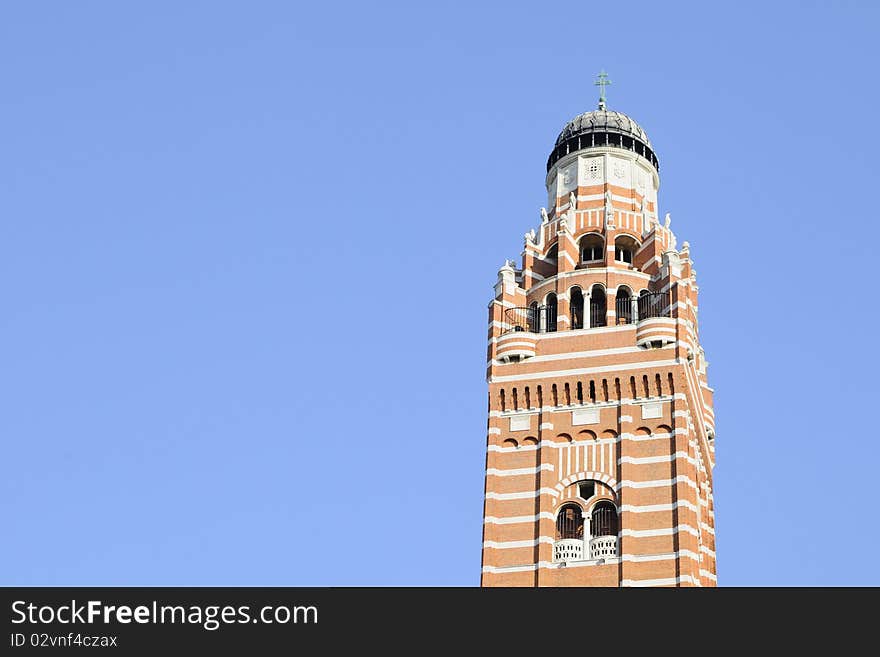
<point x="570" y="522"/>
<point x="523" y="319"/>
<point x="604" y="520"/>
<point x="623" y="309"/>
<point x="542" y="319"/>
<point x="653" y="304"/>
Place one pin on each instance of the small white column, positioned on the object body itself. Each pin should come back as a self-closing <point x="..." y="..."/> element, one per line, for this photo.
<point x="588" y="321"/>
<point x="587" y="535"/>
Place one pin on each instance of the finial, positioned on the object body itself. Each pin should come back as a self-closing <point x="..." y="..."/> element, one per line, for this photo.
<point x="602" y="81"/>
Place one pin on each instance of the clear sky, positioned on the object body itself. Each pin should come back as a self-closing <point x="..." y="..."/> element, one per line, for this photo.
<point x="246" y="251"/>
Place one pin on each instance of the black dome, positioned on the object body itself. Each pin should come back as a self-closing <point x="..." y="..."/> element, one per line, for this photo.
<point x="602" y="127"/>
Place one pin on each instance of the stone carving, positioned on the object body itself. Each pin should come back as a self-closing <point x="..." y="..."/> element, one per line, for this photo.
<point x="668" y="221"/>
<point x="609" y="210"/>
<point x="544" y="217"/>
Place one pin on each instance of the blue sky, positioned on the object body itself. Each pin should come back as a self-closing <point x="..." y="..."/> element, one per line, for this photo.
<point x="246" y="251"/>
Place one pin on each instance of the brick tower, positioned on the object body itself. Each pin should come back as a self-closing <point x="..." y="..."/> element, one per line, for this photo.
<point x="601" y="433"/>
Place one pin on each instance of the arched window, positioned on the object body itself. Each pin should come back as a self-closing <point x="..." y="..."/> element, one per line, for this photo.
<point x="624" y="248"/>
<point x="577" y="308"/>
<point x="534" y="320"/>
<point x="623" y="309"/>
<point x="603" y="521"/>
<point x="551" y="312"/>
<point x="592" y="247"/>
<point x="570" y="522"/>
<point x="598" y="307"/>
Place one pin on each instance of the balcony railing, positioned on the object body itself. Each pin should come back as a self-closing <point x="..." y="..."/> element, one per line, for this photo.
<point x="623" y="310"/>
<point x="603" y="547"/>
<point x="568" y="549"/>
<point x="524" y="319"/>
<point x="627" y="310"/>
<point x="654" y="304"/>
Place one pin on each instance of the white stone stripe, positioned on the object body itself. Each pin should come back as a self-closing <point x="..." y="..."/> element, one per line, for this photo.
<point x="530" y="345"/>
<point x="593" y="353"/>
<point x="519" y="471"/>
<point x="651" y="508"/>
<point x="508" y="569"/>
<point x="601" y="442"/>
<point x="664" y="531"/>
<point x="668" y="556"/>
<point x="521" y="448"/>
<point x="708" y="551"/>
<point x="633" y="558"/>
<point x="523" y="495"/>
<point x="582" y="370"/>
<point x="653" y="436"/>
<point x="667" y="458"/>
<point x="707" y="528"/>
<point x="657" y="483"/>
<point x="599" y="271"/>
<point x="512" y="545"/>
<point x="666" y="581"/>
<point x="708" y="575"/>
<point x="494" y="431"/>
<point x="516" y="520"/>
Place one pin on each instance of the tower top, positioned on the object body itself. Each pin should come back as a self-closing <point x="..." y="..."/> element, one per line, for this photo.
<point x="598" y="128"/>
<point x="602" y="81"/>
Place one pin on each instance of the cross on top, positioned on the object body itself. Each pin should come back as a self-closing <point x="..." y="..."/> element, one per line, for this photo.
<point x="602" y="81"/>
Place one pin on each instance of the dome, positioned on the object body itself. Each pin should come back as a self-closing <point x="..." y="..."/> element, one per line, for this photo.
<point x="602" y="127"/>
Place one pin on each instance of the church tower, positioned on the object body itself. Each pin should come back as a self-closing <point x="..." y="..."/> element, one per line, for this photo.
<point x="601" y="436"/>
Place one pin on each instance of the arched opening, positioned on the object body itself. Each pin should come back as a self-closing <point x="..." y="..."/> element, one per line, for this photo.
<point x="577" y="308"/>
<point x="624" y="248"/>
<point x="586" y="489"/>
<point x="598" y="307"/>
<point x="569" y="522"/>
<point x="592" y="248"/>
<point x="569" y="545"/>
<point x="533" y="319"/>
<point x="551" y="312"/>
<point x="623" y="305"/>
<point x="603" y="521"/>
<point x="553" y="254"/>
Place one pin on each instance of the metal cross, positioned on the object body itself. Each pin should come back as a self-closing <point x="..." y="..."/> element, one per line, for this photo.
<point x="602" y="81"/>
